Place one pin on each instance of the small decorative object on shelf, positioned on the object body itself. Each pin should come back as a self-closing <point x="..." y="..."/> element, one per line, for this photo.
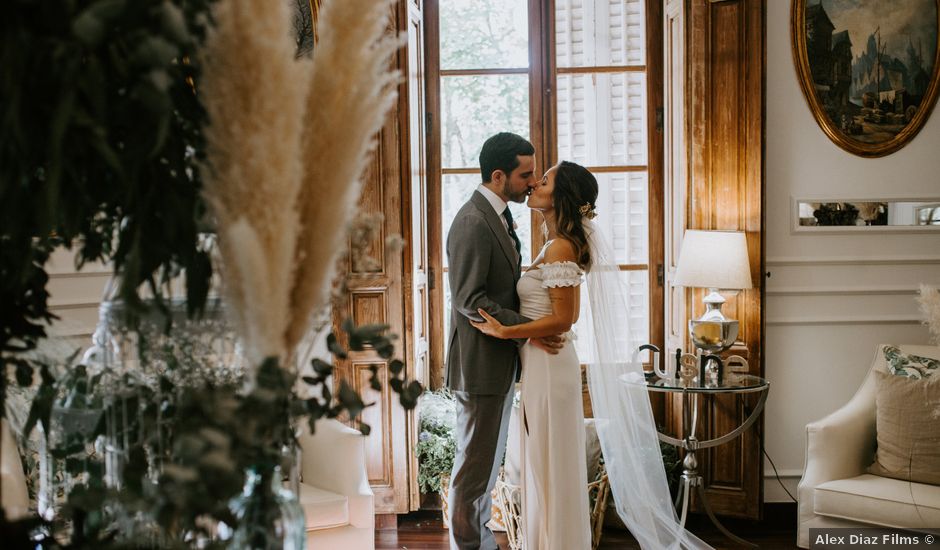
<point x="929" y="301"/>
<point x="716" y="260"/>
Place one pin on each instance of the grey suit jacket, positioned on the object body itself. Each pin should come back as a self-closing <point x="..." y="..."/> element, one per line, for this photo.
<point x="483" y="271"/>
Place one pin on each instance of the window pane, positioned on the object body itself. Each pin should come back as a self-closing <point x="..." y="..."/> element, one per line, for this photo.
<point x="636" y="284"/>
<point x="476" y="107"/>
<point x="590" y="33"/>
<point x="602" y="118"/>
<point x="456" y="190"/>
<point x="623" y="214"/>
<point x="484" y="34"/>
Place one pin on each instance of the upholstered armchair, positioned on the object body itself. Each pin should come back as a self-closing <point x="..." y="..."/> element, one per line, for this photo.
<point x="334" y="491"/>
<point x="837" y="491"/>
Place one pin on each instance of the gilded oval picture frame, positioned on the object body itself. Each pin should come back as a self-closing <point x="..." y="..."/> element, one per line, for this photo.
<point x="869" y="69"/>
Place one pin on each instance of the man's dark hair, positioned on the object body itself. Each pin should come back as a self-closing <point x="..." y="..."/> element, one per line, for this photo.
<point x="500" y="151"/>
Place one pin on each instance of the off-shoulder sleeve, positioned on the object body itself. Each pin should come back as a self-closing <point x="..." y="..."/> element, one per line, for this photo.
<point x="559" y="274"/>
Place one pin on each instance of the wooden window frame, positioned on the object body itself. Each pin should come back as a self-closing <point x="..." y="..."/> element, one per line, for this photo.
<point x="543" y="72"/>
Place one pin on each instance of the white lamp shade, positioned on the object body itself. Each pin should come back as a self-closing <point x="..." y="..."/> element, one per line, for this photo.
<point x="714" y="259"/>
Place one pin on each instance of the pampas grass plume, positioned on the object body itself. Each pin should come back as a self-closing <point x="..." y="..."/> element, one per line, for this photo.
<point x="256" y="94"/>
<point x="287" y="144"/>
<point x="929" y="301"/>
<point x="352" y="90"/>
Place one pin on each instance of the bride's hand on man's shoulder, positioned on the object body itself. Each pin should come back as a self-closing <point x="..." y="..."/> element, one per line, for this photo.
<point x="489" y="326"/>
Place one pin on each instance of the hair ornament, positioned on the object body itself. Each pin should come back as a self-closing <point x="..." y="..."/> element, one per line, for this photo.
<point x="587" y="211"/>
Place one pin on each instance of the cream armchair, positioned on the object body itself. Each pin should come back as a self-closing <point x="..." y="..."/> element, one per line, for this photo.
<point x="335" y="493"/>
<point x="836" y="491"/>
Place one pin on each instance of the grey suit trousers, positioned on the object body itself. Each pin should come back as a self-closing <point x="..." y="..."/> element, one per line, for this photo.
<point x="482" y="424"/>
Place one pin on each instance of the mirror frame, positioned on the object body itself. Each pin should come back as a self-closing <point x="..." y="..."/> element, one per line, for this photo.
<point x="796" y="228"/>
<point x="845" y="141"/>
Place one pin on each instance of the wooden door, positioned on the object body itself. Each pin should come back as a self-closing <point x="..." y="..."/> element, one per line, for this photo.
<point x="418" y="276"/>
<point x="726" y="54"/>
<point x="380" y="291"/>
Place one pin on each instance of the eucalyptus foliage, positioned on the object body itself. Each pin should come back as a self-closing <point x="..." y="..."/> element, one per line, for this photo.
<point x="436" y="447"/>
<point x="99" y="139"/>
<point x="100" y="131"/>
<point x="193" y="444"/>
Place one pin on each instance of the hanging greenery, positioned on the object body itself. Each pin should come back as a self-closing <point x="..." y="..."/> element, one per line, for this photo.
<point x="99" y="140"/>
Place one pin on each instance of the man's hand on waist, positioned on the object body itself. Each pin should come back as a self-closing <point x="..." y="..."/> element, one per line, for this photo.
<point x="549" y="344"/>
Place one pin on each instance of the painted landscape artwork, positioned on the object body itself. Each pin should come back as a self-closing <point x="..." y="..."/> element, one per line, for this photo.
<point x="870" y="65"/>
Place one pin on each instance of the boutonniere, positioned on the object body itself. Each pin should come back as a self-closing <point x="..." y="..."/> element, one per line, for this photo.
<point x="515" y="226"/>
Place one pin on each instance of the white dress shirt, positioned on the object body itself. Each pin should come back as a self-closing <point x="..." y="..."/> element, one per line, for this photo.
<point x="498" y="204"/>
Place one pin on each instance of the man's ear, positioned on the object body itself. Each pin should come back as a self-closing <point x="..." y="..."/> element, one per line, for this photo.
<point x="498" y="176"/>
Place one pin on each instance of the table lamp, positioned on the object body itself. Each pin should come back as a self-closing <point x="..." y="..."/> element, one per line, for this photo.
<point x="716" y="260"/>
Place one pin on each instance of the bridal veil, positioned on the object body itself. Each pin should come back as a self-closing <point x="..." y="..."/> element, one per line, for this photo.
<point x="623" y="416"/>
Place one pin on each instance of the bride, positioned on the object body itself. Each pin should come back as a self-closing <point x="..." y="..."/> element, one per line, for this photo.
<point x="554" y="471"/>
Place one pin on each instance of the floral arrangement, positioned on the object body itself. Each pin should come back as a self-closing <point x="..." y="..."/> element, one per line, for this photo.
<point x="929" y="301"/>
<point x="437" y="415"/>
<point x="278" y="166"/>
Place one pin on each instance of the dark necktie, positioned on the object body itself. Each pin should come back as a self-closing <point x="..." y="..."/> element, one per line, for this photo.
<point x="512" y="233"/>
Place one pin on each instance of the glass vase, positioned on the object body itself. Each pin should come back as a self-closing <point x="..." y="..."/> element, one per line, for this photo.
<point x="65" y="447"/>
<point x="269" y="515"/>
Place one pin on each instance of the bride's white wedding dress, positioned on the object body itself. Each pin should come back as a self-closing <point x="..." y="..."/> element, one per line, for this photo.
<point x="554" y="469"/>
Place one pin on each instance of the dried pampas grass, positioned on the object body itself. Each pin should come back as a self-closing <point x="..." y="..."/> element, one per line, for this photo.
<point x="929" y="301"/>
<point x="352" y="91"/>
<point x="255" y="95"/>
<point x="287" y="144"/>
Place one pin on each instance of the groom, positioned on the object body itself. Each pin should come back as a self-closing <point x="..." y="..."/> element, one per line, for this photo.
<point x="484" y="256"/>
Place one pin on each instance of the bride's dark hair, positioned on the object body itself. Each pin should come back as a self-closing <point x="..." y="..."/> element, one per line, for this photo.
<point x="574" y="196"/>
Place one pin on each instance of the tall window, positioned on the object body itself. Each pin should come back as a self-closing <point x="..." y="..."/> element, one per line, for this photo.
<point x="594" y="90"/>
<point x="484" y="83"/>
<point x="600" y="60"/>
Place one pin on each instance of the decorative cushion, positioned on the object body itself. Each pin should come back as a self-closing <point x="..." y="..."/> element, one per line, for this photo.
<point x="910" y="365"/>
<point x="879" y="501"/>
<point x="908" y="428"/>
<point x="323" y="509"/>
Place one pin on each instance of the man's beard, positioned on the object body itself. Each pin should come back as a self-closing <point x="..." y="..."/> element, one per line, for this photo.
<point x="514" y="197"/>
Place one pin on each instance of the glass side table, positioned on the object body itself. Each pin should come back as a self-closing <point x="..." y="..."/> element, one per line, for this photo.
<point x="690" y="389"/>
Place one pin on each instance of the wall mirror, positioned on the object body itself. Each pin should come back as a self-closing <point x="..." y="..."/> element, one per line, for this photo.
<point x="869" y="214"/>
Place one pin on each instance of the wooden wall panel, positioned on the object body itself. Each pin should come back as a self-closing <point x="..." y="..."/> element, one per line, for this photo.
<point x="380" y="467"/>
<point x="368" y="307"/>
<point x="372" y="200"/>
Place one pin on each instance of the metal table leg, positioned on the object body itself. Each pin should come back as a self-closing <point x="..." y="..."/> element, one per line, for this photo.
<point x="691" y="478"/>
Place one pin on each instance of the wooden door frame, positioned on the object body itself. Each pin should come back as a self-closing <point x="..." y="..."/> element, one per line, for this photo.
<point x="432" y="101"/>
<point x="542" y="115"/>
<point x="726" y="49"/>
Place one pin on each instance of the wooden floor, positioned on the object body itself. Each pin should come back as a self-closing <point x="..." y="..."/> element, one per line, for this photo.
<point x="424" y="530"/>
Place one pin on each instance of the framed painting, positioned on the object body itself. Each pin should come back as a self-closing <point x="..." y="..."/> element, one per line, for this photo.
<point x="870" y="69"/>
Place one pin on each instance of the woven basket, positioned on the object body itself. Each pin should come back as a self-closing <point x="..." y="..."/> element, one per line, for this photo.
<point x="497" y="523"/>
<point x="445" y="507"/>
<point x="509" y="499"/>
